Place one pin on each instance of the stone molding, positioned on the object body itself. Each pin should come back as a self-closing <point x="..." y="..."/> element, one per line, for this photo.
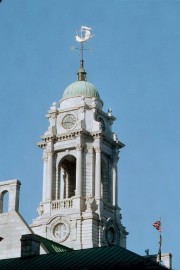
<point x="79" y="147"/>
<point x="42" y="145"/>
<point x="98" y="149"/>
<point x="45" y="156"/>
<point x="111" y="232"/>
<point x="49" y="138"/>
<point x="90" y="204"/>
<point x="90" y="149"/>
<point x="60" y="234"/>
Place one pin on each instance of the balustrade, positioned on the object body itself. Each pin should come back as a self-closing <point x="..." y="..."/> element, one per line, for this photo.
<point x="61" y="204"/>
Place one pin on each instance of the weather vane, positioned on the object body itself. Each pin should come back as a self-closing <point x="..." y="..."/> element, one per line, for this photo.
<point x="82" y="36"/>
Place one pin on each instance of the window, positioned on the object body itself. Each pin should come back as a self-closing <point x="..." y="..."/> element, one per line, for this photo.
<point x="4" y="200"/>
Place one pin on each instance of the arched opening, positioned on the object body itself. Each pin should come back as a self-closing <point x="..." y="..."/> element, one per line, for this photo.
<point x="67" y="177"/>
<point x="4" y="200"/>
<point x="106" y="187"/>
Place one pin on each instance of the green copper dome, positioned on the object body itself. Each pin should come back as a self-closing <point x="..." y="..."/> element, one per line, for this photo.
<point x="81" y="88"/>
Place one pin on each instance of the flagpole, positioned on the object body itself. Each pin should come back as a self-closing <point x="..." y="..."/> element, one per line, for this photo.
<point x="160" y="242"/>
<point x="157" y="226"/>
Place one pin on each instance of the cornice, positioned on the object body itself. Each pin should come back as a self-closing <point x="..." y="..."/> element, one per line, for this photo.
<point x="48" y="137"/>
<point x="72" y="135"/>
<point x="107" y="140"/>
<point x="76" y="133"/>
<point x="42" y="144"/>
<point x="62" y="137"/>
<point x="113" y="118"/>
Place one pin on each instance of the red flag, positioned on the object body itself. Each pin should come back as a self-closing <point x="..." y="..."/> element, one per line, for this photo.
<point x="157" y="225"/>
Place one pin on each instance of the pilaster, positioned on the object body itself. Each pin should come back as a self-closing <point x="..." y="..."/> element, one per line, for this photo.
<point x="49" y="170"/>
<point x="90" y="168"/>
<point x="98" y="173"/>
<point x="115" y="179"/>
<point x="79" y="148"/>
<point x="45" y="158"/>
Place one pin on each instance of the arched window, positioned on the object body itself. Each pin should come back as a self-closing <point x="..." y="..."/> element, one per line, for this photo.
<point x="66" y="177"/>
<point x="106" y="185"/>
<point x="4" y="200"/>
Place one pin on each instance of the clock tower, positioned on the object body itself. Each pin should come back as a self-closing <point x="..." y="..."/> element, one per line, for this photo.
<point x="79" y="206"/>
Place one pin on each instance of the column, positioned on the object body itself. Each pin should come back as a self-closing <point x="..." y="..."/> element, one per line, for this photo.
<point x="57" y="190"/>
<point x="66" y="185"/>
<point x="98" y="173"/>
<point x="79" y="170"/>
<point x="90" y="169"/>
<point x="49" y="176"/>
<point x="44" y="195"/>
<point x="115" y="187"/>
<point x="115" y="177"/>
<point x="62" y="182"/>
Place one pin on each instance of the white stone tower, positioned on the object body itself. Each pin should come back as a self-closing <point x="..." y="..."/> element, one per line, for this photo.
<point x="79" y="206"/>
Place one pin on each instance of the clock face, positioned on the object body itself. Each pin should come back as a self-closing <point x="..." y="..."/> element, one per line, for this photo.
<point x="68" y="121"/>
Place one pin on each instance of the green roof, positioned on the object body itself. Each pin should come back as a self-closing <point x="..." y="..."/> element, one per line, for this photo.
<point x="81" y="88"/>
<point x="100" y="258"/>
<point x="51" y="246"/>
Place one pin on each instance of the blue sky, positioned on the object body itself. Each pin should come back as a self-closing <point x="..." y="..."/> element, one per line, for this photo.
<point x="135" y="65"/>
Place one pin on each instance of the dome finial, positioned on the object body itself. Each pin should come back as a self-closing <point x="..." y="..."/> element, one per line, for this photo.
<point x="81" y="72"/>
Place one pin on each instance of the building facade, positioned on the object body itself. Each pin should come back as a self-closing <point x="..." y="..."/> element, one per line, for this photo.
<point x="12" y="224"/>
